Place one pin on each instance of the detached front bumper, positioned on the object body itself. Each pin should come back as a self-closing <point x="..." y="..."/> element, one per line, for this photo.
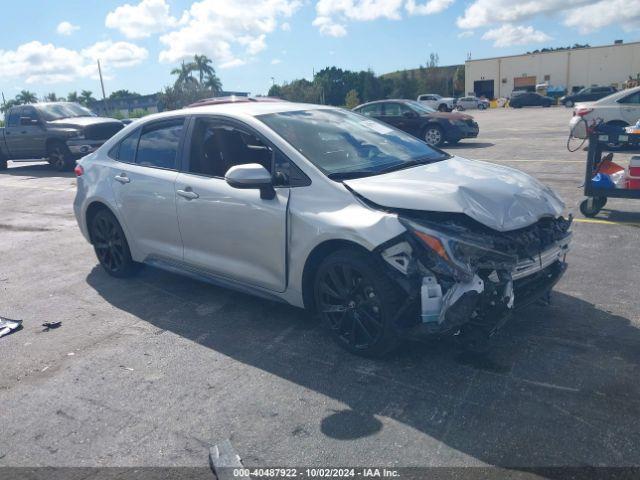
<point x="80" y="148"/>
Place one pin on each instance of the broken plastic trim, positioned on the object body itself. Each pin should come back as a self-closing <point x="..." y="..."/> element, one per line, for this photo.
<point x="463" y="255"/>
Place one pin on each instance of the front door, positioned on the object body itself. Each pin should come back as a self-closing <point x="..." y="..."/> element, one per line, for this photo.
<point x="34" y="133"/>
<point x="401" y="117"/>
<point x="143" y="182"/>
<point x="226" y="231"/>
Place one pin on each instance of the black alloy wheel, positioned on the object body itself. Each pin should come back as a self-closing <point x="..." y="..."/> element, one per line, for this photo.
<point x="111" y="246"/>
<point x="60" y="157"/>
<point x="356" y="301"/>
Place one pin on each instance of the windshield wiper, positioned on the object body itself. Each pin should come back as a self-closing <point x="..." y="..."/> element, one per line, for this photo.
<point x="411" y="163"/>
<point x="351" y="175"/>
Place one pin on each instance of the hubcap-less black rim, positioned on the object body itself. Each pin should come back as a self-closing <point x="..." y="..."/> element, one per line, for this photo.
<point x="108" y="243"/>
<point x="57" y="157"/>
<point x="351" y="306"/>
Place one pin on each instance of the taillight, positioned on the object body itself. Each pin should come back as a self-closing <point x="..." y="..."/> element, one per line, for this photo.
<point x="78" y="170"/>
<point x="581" y="112"/>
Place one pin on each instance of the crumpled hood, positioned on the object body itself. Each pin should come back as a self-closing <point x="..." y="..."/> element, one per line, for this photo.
<point x="81" y="122"/>
<point x="502" y="198"/>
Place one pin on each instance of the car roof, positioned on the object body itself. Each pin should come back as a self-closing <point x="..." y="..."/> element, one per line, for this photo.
<point x="385" y="100"/>
<point x="250" y="109"/>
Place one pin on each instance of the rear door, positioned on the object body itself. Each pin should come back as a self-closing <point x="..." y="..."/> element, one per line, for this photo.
<point x="229" y="232"/>
<point x="143" y="182"/>
<point x="630" y="108"/>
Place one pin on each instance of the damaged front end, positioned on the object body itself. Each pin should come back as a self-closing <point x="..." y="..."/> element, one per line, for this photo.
<point x="460" y="274"/>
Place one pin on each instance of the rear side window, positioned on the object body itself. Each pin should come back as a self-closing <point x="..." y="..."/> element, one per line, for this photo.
<point x="125" y="151"/>
<point x="159" y="143"/>
<point x="634" y="99"/>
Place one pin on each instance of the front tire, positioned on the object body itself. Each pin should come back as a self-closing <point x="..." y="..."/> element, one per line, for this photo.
<point x="3" y="163"/>
<point x="434" y="135"/>
<point x="358" y="303"/>
<point x="443" y="108"/>
<point x="568" y="103"/>
<point x="60" y="157"/>
<point x="110" y="245"/>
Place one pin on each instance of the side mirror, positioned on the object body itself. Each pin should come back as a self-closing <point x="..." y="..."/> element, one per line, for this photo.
<point x="28" y="121"/>
<point x="251" y="176"/>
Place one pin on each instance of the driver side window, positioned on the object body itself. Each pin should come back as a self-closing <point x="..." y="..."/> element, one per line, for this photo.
<point x="395" y="109"/>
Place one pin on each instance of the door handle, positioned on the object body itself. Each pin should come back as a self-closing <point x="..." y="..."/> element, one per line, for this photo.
<point x="188" y="194"/>
<point x="122" y="178"/>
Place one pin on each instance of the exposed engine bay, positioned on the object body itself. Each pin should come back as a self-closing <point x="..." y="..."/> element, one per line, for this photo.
<point x="458" y="272"/>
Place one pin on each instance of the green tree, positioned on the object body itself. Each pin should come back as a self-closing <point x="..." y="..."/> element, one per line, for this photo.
<point x="123" y="94"/>
<point x="213" y="83"/>
<point x="86" y="97"/>
<point x="25" y="96"/>
<point x="73" y="97"/>
<point x="50" y="97"/>
<point x="184" y="73"/>
<point x="352" y="100"/>
<point x="202" y="64"/>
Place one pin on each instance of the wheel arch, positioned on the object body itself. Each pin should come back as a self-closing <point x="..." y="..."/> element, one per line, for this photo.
<point x="314" y="259"/>
<point x="52" y="140"/>
<point x="92" y="210"/>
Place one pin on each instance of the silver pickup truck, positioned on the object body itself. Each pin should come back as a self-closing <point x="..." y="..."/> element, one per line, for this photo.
<point x="60" y="132"/>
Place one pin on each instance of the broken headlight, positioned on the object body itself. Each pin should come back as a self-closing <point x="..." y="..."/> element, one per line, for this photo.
<point x="459" y="257"/>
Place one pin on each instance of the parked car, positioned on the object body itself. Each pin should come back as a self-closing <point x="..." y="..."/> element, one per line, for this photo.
<point x="57" y="131"/>
<point x="587" y="95"/>
<point x="423" y="122"/>
<point x="437" y="102"/>
<point x="530" y="99"/>
<point x="470" y="103"/>
<point x="382" y="235"/>
<point x="620" y="109"/>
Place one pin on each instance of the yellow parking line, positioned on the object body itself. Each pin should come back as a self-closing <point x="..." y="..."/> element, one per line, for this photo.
<point x="605" y="222"/>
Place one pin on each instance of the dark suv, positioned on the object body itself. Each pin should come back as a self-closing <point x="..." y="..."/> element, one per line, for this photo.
<point x="57" y="131"/>
<point x="589" y="94"/>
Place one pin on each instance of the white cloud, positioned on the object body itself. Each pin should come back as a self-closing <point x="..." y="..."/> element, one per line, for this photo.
<point x="276" y="61"/>
<point x="142" y="20"/>
<point x="428" y="8"/>
<point x="217" y="28"/>
<point x="465" y="34"/>
<point x="333" y="15"/>
<point x="285" y="26"/>
<point x="589" y="18"/>
<point x="66" y="28"/>
<point x="508" y="35"/>
<point x="40" y="63"/>
<point x="116" y="54"/>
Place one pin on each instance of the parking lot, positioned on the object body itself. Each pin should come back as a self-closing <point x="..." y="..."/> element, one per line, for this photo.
<point x="154" y="370"/>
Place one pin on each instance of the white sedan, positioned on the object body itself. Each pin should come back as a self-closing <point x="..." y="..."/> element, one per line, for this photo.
<point x="620" y="109"/>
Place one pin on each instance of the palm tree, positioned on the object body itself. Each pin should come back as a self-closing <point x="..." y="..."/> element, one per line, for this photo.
<point x="213" y="83"/>
<point x="86" y="97"/>
<point x="73" y="97"/>
<point x="50" y="97"/>
<point x="184" y="72"/>
<point x="25" y="96"/>
<point x="202" y="64"/>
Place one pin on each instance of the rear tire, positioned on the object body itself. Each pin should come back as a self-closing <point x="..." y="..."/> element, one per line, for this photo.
<point x="110" y="245"/>
<point x="568" y="103"/>
<point x="434" y="135"/>
<point x="3" y="163"/>
<point x="60" y="157"/>
<point x="358" y="302"/>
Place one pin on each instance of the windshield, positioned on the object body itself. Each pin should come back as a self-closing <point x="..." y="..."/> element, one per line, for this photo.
<point x="56" y="111"/>
<point x="419" y="107"/>
<point x="346" y="145"/>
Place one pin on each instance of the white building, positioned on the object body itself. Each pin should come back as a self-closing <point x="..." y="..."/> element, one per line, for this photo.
<point x="582" y="67"/>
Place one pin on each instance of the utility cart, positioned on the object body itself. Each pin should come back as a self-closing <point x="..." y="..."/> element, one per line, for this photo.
<point x="605" y="139"/>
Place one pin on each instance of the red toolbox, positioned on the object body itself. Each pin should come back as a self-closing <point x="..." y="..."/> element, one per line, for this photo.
<point x="633" y="178"/>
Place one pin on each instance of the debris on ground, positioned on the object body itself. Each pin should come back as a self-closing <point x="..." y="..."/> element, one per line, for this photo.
<point x="225" y="462"/>
<point x="8" y="325"/>
<point x="51" y="325"/>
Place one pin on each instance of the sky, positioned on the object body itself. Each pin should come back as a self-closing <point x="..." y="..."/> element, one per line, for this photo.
<point x="52" y="45"/>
